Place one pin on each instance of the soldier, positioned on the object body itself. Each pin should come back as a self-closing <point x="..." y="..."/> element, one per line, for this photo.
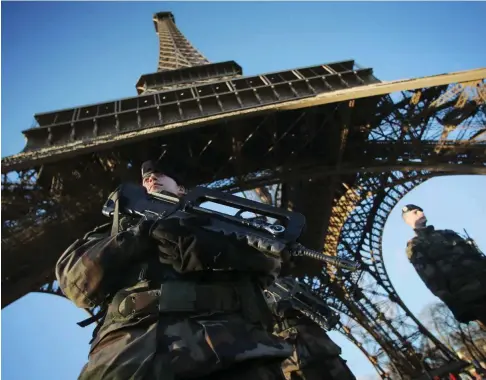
<point x="451" y="267"/>
<point x="315" y="355"/>
<point x="181" y="302"/>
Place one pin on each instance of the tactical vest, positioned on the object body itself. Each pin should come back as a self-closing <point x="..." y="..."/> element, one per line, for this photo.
<point x="151" y="288"/>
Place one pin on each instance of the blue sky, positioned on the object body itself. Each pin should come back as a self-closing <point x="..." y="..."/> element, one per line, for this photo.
<point x="59" y="55"/>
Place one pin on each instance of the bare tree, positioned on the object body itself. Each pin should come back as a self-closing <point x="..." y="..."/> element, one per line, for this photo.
<point x="467" y="338"/>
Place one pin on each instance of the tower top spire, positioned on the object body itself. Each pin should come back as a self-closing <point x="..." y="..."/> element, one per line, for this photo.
<point x="160" y="16"/>
<point x="175" y="51"/>
<point x="180" y="63"/>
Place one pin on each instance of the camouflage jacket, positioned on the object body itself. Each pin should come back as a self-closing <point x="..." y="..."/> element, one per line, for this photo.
<point x="451" y="268"/>
<point x="161" y="324"/>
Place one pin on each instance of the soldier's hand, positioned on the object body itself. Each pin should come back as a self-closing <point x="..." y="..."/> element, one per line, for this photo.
<point x="142" y="229"/>
<point x="170" y="230"/>
<point x="136" y="239"/>
<point x="188" y="247"/>
<point x="185" y="245"/>
<point x="285" y="308"/>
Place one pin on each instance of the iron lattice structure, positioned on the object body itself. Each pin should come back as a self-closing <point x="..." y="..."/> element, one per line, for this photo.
<point x="330" y="141"/>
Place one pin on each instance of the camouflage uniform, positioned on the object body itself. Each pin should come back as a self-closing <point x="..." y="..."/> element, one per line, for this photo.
<point x="453" y="271"/>
<point x="192" y="315"/>
<point x="315" y="355"/>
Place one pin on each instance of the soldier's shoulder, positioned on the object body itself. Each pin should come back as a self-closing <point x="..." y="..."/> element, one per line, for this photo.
<point x="411" y="244"/>
<point x="448" y="232"/>
<point x="447" y="235"/>
<point x="416" y="240"/>
<point x="415" y="244"/>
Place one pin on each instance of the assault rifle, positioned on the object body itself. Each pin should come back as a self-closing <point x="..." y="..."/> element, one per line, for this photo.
<point x="280" y="237"/>
<point x="302" y="299"/>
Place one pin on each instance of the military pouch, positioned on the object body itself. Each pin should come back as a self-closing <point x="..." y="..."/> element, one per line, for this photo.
<point x="139" y="303"/>
<point x="193" y="297"/>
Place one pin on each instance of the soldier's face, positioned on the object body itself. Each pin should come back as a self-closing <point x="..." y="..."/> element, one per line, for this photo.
<point x="158" y="182"/>
<point x="415" y="218"/>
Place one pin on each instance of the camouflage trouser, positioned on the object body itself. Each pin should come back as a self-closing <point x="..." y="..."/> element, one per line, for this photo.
<point x="214" y="347"/>
<point x="250" y="370"/>
<point x="315" y="356"/>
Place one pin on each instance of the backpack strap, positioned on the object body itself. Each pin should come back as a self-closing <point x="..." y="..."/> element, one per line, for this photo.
<point x="115" y="228"/>
<point x="94" y="318"/>
<point x="99" y="317"/>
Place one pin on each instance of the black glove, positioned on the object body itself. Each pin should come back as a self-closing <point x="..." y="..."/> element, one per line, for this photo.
<point x="285" y="308"/>
<point x="137" y="237"/>
<point x="184" y="244"/>
<point x="142" y="229"/>
<point x="187" y="246"/>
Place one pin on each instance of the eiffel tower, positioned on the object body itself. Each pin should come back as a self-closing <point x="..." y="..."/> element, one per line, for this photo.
<point x="330" y="141"/>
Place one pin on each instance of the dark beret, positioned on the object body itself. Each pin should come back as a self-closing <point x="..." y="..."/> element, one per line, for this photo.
<point x="150" y="167"/>
<point x="408" y="208"/>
